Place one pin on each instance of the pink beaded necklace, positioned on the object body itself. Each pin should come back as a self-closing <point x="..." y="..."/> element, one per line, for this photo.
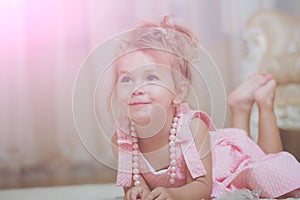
<point x="172" y="151"/>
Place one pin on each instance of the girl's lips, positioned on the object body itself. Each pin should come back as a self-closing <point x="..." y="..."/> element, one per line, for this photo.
<point x="139" y="104"/>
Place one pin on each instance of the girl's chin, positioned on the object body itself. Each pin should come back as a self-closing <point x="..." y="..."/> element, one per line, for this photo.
<point x="141" y="120"/>
<point x="140" y="115"/>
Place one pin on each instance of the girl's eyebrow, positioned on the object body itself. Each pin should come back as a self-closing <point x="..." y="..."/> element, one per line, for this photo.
<point x="150" y="69"/>
<point x="123" y="72"/>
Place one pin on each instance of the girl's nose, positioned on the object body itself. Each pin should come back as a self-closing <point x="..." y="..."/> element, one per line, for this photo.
<point x="139" y="91"/>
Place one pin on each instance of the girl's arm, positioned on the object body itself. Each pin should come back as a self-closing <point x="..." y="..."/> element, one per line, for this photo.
<point x="199" y="188"/>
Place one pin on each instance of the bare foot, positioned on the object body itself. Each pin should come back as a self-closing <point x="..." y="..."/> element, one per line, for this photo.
<point x="264" y="96"/>
<point x="242" y="99"/>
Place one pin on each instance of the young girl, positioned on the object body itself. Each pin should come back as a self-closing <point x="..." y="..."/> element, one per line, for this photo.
<point x="166" y="150"/>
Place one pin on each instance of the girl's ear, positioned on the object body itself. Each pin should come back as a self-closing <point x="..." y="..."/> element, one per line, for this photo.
<point x="182" y="91"/>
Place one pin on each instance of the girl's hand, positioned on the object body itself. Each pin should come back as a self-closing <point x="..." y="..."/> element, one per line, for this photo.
<point x="160" y="193"/>
<point x="137" y="193"/>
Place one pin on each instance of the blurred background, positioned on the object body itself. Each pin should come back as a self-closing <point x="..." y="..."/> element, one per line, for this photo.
<point x="43" y="43"/>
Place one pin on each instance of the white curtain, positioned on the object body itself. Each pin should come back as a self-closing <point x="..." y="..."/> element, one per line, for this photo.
<point x="43" y="43"/>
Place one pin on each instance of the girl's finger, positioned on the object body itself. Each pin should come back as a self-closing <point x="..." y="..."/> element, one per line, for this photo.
<point x="154" y="194"/>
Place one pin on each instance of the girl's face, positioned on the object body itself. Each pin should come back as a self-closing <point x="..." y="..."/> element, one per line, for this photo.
<point x="145" y="87"/>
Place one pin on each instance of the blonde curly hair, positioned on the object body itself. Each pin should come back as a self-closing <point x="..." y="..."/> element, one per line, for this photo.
<point x="164" y="38"/>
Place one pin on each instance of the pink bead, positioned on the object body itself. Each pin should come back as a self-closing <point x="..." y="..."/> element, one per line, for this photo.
<point x="134" y="140"/>
<point x="172" y="156"/>
<point x="173" y="162"/>
<point x="174" y="125"/>
<point x="173" y="169"/>
<point x="137" y="183"/>
<point x="135" y="152"/>
<point x="172" y="144"/>
<point x="136" y="177"/>
<point x="135" y="146"/>
<point x="173" y="175"/>
<point x="135" y="158"/>
<point x="172" y="137"/>
<point x="173" y="131"/>
<point x="172" y="181"/>
<point x="172" y="149"/>
<point x="135" y="164"/>
<point x="175" y="119"/>
<point x="133" y="134"/>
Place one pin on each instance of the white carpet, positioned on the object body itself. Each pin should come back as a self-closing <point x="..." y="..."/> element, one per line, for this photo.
<point x="76" y="192"/>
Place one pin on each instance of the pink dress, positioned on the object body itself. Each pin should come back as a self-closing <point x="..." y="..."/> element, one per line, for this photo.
<point x="237" y="161"/>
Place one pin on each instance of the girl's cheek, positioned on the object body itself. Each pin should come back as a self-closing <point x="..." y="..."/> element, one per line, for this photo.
<point x="123" y="96"/>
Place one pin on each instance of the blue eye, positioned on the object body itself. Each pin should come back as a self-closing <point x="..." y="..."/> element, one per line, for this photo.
<point x="126" y="80"/>
<point x="152" y="78"/>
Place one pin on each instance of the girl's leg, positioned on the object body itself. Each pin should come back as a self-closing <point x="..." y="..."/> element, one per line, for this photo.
<point x="293" y="194"/>
<point x="268" y="133"/>
<point x="241" y="100"/>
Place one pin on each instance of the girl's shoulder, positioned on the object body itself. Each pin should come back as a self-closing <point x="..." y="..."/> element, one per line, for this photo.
<point x="114" y="139"/>
<point x="114" y="144"/>
<point x="195" y="118"/>
<point x="197" y="126"/>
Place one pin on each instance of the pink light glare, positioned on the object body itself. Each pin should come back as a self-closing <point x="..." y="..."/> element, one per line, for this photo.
<point x="16" y="2"/>
<point x="41" y="29"/>
<point x="24" y="24"/>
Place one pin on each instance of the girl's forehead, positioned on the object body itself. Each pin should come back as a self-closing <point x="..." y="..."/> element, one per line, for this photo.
<point x="141" y="60"/>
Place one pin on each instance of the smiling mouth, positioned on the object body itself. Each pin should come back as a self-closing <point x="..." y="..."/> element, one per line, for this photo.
<point x="139" y="104"/>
